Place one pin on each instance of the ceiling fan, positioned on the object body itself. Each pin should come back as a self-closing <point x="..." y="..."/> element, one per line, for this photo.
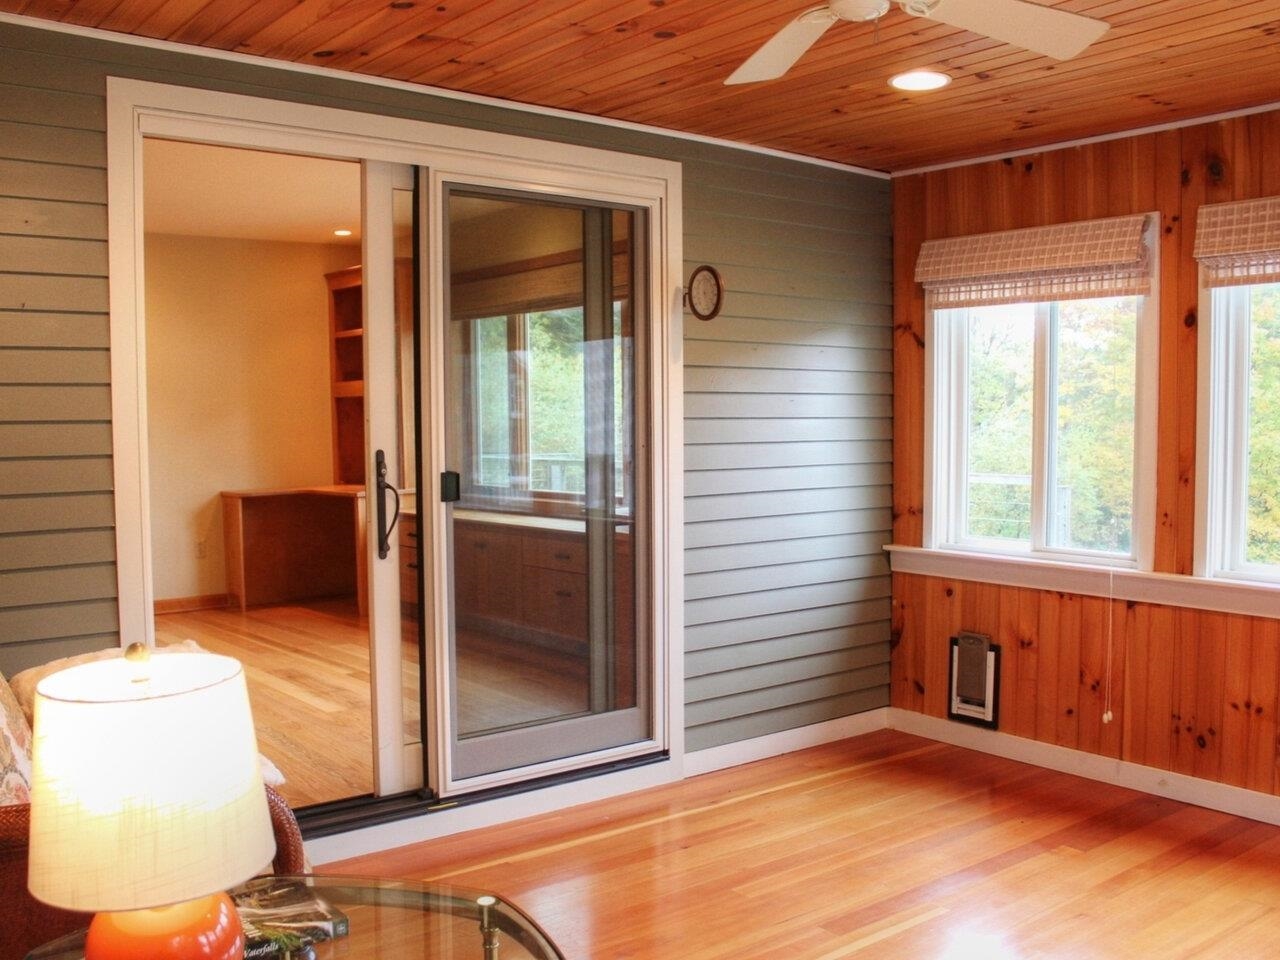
<point x="1054" y="33"/>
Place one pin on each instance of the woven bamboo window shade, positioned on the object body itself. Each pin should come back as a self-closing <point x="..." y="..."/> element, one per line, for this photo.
<point x="1239" y="243"/>
<point x="1067" y="261"/>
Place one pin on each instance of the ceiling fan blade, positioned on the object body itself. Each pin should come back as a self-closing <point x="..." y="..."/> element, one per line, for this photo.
<point x="780" y="52"/>
<point x="1054" y="33"/>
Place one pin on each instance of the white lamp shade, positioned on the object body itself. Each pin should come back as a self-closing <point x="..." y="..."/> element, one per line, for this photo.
<point x="146" y="788"/>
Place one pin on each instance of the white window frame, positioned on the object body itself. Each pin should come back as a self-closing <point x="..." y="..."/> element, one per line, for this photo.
<point x="946" y="432"/>
<point x="1222" y="487"/>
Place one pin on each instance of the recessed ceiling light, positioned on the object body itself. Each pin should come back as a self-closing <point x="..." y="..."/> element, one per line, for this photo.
<point x="342" y="233"/>
<point x="916" y="80"/>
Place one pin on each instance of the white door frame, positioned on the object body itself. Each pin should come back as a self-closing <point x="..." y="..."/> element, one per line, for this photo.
<point x="392" y="770"/>
<point x="136" y="109"/>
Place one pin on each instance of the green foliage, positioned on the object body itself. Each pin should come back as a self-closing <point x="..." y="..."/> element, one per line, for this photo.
<point x="1263" y="522"/>
<point x="554" y="419"/>
<point x="493" y="410"/>
<point x="1001" y="373"/>
<point x="1091" y="422"/>
<point x="1097" y="353"/>
<point x="556" y="400"/>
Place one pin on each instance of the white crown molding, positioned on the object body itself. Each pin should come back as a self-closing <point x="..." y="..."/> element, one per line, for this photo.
<point x="231" y="56"/>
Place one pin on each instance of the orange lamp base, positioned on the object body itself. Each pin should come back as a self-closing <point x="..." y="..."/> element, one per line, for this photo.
<point x="204" y="929"/>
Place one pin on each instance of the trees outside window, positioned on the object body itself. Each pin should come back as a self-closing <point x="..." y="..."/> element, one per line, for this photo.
<point x="1262" y="523"/>
<point x="1037" y="408"/>
<point x="528" y="396"/>
<point x="1242" y="392"/>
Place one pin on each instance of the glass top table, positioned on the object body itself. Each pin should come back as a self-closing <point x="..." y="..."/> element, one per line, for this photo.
<point x="397" y="918"/>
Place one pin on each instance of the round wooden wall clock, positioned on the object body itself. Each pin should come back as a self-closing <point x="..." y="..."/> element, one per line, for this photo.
<point x="705" y="294"/>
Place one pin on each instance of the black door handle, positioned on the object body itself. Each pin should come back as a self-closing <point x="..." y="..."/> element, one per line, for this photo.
<point x="384" y="531"/>
<point x="450" y="486"/>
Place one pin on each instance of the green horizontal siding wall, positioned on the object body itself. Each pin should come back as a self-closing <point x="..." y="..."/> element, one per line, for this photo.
<point x="787" y="393"/>
<point x="787" y="459"/>
<point x="57" y="545"/>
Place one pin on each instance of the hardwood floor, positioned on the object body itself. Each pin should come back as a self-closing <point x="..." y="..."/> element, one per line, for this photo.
<point x="536" y="683"/>
<point x="883" y="846"/>
<point x="307" y="667"/>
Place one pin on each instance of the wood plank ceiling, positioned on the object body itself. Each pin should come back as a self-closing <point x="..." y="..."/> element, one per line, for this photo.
<point x="662" y="62"/>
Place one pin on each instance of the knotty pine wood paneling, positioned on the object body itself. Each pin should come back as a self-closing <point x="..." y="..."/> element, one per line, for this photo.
<point x="1192" y="691"/>
<point x="1171" y="172"/>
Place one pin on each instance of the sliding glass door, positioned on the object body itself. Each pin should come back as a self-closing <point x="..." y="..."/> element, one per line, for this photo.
<point x="547" y="655"/>
<point x="479" y="377"/>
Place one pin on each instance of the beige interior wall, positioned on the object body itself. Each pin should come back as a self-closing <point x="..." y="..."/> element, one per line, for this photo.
<point x="237" y="386"/>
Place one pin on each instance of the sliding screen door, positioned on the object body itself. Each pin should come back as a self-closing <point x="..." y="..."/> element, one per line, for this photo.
<point x="548" y="655"/>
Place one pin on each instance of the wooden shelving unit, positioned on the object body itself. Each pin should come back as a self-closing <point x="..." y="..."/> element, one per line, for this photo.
<point x="346" y="367"/>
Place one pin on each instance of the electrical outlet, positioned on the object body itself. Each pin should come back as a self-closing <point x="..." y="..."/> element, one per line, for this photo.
<point x="202" y="549"/>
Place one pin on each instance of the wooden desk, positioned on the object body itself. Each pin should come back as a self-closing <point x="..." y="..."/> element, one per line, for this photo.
<point x="299" y="544"/>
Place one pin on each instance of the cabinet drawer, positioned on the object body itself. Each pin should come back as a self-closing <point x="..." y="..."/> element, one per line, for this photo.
<point x="408" y="574"/>
<point x="486" y="542"/>
<point x="408" y="529"/>
<point x="486" y="562"/>
<point x="554" y="601"/>
<point x="556" y="551"/>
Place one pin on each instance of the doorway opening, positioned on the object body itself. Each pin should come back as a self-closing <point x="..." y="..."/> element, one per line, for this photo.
<point x="256" y="446"/>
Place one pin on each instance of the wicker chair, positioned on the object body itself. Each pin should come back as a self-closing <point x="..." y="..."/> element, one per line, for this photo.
<point x="25" y="922"/>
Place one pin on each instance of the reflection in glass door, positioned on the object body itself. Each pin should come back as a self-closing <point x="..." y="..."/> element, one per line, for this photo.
<point x="548" y="653"/>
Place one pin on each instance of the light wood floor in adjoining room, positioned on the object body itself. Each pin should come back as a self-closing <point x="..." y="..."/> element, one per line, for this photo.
<point x="884" y="846"/>
<point x="307" y="668"/>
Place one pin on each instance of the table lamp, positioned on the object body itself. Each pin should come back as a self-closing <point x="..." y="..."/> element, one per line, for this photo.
<point x="147" y="803"/>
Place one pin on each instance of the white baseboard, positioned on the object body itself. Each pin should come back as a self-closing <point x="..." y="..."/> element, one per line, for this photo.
<point x="775" y="744"/>
<point x="1162" y="783"/>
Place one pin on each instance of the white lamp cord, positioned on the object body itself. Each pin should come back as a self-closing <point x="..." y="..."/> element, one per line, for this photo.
<point x="1107" y="716"/>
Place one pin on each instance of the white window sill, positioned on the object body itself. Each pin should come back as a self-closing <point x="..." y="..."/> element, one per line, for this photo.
<point x="1174" y="590"/>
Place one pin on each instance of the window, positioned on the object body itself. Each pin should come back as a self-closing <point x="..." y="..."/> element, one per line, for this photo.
<point x="542" y="328"/>
<point x="1041" y="386"/>
<point x="1238" y="246"/>
<point x="543" y="382"/>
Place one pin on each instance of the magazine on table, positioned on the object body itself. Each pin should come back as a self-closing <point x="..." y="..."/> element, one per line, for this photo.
<point x="283" y="915"/>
